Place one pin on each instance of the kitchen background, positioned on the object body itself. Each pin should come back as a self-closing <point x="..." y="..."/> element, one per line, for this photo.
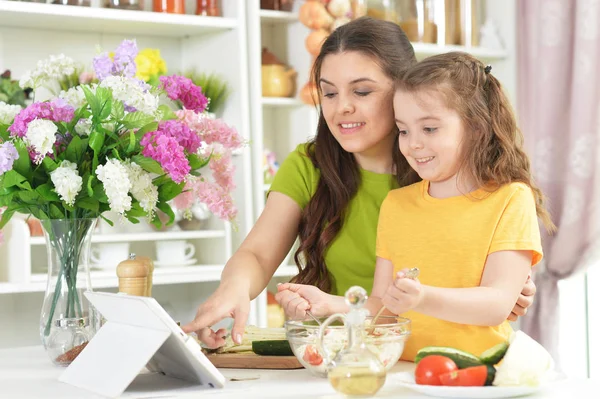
<point x="256" y="56"/>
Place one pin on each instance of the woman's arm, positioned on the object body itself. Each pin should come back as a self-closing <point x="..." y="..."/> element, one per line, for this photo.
<point x="249" y="270"/>
<point x="486" y="305"/>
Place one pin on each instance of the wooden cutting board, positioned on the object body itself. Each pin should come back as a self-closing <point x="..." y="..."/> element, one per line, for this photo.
<point x="250" y="360"/>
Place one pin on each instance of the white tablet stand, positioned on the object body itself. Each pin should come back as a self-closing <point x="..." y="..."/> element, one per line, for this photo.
<point x="138" y="332"/>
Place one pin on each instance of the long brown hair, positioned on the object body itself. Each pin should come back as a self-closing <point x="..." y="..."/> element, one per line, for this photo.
<point x="323" y="216"/>
<point x="494" y="153"/>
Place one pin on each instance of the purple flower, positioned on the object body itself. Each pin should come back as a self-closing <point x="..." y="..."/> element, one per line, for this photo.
<point x="103" y="66"/>
<point x="183" y="89"/>
<point x="165" y="150"/>
<point x="125" y="58"/>
<point x="8" y="156"/>
<point x="183" y="134"/>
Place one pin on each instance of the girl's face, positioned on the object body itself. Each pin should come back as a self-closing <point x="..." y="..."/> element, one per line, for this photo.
<point x="431" y="135"/>
<point x="357" y="103"/>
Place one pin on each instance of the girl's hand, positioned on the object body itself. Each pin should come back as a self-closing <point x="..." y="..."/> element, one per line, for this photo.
<point x="525" y="300"/>
<point x="296" y="299"/>
<point x="403" y="294"/>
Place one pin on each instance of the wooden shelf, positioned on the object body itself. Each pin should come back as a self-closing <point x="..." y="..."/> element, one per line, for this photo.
<point x="105" y="20"/>
<point x="281" y="102"/>
<point x="277" y="17"/>
<point x="162" y="276"/>
<point x="425" y="50"/>
<point x="152" y="236"/>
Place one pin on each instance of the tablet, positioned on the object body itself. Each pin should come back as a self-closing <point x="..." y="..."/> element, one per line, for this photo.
<point x="179" y="356"/>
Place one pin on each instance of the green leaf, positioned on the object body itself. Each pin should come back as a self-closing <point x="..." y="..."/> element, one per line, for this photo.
<point x="13" y="178"/>
<point x="96" y="140"/>
<point x="56" y="212"/>
<point x="132" y="142"/>
<point x="47" y="193"/>
<point x="4" y="133"/>
<point x="148" y="164"/>
<point x="104" y="96"/>
<point x="76" y="150"/>
<point x="132" y="219"/>
<point x="91" y="99"/>
<point x="23" y="163"/>
<point x="136" y="210"/>
<point x="49" y="164"/>
<point x="197" y="162"/>
<point x="166" y="112"/>
<point x="163" y="206"/>
<point x="169" y="190"/>
<point x="88" y="203"/>
<point x="30" y="197"/>
<point x="135" y="120"/>
<point x="88" y="184"/>
<point x="6" y="200"/>
<point x="150" y="127"/>
<point x="118" y="110"/>
<point x="99" y="193"/>
<point x="110" y="222"/>
<point x="6" y="216"/>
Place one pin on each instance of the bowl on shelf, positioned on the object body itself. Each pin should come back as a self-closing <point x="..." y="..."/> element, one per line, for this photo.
<point x="386" y="341"/>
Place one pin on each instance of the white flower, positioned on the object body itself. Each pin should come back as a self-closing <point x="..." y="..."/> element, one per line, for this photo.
<point x="116" y="185"/>
<point x="53" y="68"/>
<point x="132" y="93"/>
<point x="41" y="135"/>
<point x="83" y="127"/>
<point x="74" y="96"/>
<point x="67" y="182"/>
<point x="8" y="112"/>
<point x="142" y="188"/>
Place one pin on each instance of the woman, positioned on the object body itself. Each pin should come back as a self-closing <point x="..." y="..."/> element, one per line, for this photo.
<point x="328" y="192"/>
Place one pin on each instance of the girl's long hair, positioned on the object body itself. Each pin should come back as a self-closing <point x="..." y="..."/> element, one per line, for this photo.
<point x="323" y="217"/>
<point x="493" y="154"/>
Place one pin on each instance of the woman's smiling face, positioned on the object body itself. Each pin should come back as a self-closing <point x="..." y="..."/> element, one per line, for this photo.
<point x="357" y="102"/>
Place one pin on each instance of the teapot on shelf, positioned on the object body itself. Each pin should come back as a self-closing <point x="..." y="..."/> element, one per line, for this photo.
<point x="278" y="80"/>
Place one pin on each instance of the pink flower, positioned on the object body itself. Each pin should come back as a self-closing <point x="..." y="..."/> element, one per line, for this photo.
<point x="57" y="111"/>
<point x="185" y="200"/>
<point x="217" y="199"/>
<point x="182" y="133"/>
<point x="183" y="89"/>
<point x="165" y="150"/>
<point x="223" y="170"/>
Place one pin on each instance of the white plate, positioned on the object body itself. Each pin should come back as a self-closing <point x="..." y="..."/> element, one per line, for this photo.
<point x="408" y="380"/>
<point x="186" y="262"/>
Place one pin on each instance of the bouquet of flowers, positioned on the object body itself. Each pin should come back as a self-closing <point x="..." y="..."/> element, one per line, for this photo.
<point x="113" y="145"/>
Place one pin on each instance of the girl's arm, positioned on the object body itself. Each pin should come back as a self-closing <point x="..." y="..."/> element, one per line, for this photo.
<point x="384" y="273"/>
<point x="486" y="305"/>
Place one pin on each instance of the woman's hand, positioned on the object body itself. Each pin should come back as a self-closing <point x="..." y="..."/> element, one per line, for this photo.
<point x="226" y="301"/>
<point x="403" y="294"/>
<point x="296" y="299"/>
<point x="525" y="300"/>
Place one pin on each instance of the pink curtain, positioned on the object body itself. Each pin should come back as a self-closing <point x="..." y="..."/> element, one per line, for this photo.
<point x="559" y="113"/>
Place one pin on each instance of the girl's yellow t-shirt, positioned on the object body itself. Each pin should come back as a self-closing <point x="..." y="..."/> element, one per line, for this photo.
<point x="449" y="240"/>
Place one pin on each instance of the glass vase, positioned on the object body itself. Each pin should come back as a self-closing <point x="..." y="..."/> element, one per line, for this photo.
<point x="68" y="321"/>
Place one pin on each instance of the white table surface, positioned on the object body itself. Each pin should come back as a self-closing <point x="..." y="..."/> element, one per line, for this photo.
<point x="28" y="373"/>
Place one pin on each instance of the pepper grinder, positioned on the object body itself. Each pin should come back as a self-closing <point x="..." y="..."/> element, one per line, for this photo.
<point x="133" y="276"/>
<point x="150" y="263"/>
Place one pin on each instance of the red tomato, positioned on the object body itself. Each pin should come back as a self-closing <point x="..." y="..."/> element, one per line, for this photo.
<point x="469" y="377"/>
<point x="312" y="356"/>
<point x="430" y="367"/>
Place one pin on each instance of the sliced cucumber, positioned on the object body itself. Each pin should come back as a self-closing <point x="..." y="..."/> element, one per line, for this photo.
<point x="280" y="347"/>
<point x="491" y="374"/>
<point x="493" y="355"/>
<point x="461" y="358"/>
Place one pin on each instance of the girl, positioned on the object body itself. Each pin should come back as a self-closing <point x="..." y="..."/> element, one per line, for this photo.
<point x="471" y="224"/>
<point x="329" y="191"/>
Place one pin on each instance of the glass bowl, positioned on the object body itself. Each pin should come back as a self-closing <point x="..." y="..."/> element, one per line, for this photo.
<point x="386" y="341"/>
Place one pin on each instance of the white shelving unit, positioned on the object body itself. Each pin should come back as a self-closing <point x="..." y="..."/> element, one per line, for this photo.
<point x="230" y="45"/>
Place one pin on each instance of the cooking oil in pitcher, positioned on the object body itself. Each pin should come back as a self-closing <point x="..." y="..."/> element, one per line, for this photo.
<point x="356" y="381"/>
<point x="355" y="370"/>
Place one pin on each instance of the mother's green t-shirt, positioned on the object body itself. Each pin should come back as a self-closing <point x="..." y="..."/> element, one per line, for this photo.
<point x="350" y="258"/>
